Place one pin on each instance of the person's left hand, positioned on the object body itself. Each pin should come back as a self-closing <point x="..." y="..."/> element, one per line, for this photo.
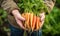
<point x="42" y="16"/>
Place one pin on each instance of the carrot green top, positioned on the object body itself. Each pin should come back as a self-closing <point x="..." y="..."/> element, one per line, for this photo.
<point x="34" y="6"/>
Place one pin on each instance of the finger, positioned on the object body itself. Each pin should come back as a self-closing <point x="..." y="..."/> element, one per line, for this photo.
<point x="42" y="16"/>
<point x="42" y="22"/>
<point x="19" y="17"/>
<point x="41" y="25"/>
<point x="20" y="24"/>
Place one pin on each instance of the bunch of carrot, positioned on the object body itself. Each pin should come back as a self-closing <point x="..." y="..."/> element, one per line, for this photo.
<point x="30" y="10"/>
<point x="32" y="21"/>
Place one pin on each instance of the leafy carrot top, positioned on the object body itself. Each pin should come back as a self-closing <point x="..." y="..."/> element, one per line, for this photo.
<point x="34" y="6"/>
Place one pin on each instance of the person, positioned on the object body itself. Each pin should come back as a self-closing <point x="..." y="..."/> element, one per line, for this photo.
<point x="15" y="19"/>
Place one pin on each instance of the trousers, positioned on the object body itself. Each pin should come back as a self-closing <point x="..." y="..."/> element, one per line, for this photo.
<point x="19" y="32"/>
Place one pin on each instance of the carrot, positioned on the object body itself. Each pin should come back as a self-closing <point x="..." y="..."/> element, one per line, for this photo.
<point x="24" y="23"/>
<point x="31" y="19"/>
<point x="23" y="15"/>
<point x="37" y="23"/>
<point x="33" y="23"/>
<point x="27" y="21"/>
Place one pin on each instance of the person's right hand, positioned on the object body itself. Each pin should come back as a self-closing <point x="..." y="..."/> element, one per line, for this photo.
<point x="18" y="18"/>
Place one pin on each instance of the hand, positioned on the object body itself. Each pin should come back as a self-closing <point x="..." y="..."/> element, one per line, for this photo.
<point x="42" y="16"/>
<point x="18" y="18"/>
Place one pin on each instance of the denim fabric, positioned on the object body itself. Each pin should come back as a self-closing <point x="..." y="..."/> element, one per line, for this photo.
<point x="18" y="32"/>
<point x="15" y="31"/>
<point x="37" y="33"/>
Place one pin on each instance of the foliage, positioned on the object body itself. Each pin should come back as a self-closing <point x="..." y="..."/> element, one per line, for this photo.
<point x="3" y="15"/>
<point x="58" y="2"/>
<point x="52" y="23"/>
<point x="3" y="19"/>
<point x="34" y="6"/>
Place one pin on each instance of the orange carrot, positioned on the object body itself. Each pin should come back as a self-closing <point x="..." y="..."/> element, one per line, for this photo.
<point x="27" y="21"/>
<point x="31" y="19"/>
<point x="23" y="15"/>
<point x="33" y="23"/>
<point x="37" y="23"/>
<point x="24" y="23"/>
<point x="27" y="17"/>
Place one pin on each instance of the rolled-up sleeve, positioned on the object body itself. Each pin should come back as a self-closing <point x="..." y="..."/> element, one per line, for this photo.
<point x="50" y="4"/>
<point x="8" y="5"/>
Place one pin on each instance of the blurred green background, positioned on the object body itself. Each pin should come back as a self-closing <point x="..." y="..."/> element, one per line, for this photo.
<point x="51" y="26"/>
